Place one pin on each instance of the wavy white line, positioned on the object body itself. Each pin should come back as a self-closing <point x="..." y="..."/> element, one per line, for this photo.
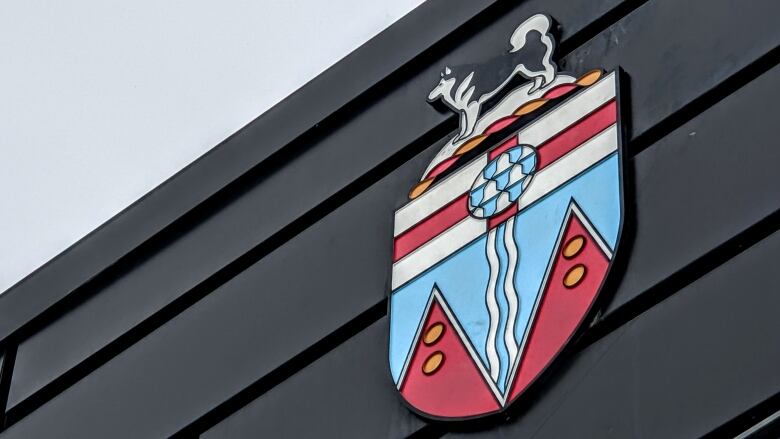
<point x="492" y="306"/>
<point x="509" y="289"/>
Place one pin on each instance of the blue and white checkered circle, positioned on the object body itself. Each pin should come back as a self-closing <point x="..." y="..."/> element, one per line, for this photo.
<point x="502" y="181"/>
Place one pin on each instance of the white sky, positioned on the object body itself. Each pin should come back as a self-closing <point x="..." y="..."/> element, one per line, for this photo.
<point x="102" y="100"/>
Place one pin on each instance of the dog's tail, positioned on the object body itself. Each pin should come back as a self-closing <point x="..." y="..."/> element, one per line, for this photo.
<point x="539" y="23"/>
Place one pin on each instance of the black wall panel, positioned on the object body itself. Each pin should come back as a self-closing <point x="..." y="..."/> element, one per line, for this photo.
<point x="253" y="304"/>
<point x="627" y="384"/>
<point x="310" y="176"/>
<point x="642" y="380"/>
<point x="345" y="394"/>
<point x="191" y="261"/>
<point x="244" y="330"/>
<point x="702" y="185"/>
<point x="706" y="142"/>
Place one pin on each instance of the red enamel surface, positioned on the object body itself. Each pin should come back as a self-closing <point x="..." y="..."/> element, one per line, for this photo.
<point x="509" y="143"/>
<point x="559" y="91"/>
<point x="457" y="388"/>
<point x="430" y="227"/>
<point x="552" y="150"/>
<point x="441" y="167"/>
<point x="495" y="220"/>
<point x="577" y="134"/>
<point x="562" y="309"/>
<point x="500" y="124"/>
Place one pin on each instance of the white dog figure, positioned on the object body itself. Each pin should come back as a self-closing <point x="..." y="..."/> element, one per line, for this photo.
<point x="470" y="93"/>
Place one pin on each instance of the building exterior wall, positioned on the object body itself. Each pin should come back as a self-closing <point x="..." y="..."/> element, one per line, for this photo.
<point x="247" y="295"/>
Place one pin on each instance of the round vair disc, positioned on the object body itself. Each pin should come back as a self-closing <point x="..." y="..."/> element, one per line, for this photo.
<point x="502" y="181"/>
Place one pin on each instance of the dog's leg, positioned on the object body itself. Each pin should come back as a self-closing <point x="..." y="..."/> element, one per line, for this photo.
<point x="463" y="126"/>
<point x="471" y="114"/>
<point x="538" y="83"/>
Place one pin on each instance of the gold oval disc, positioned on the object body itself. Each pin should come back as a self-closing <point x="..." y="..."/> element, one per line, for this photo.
<point x="433" y="334"/>
<point x="433" y="363"/>
<point x="574" y="276"/>
<point x="529" y="107"/>
<point x="419" y="188"/>
<point x="470" y="144"/>
<point x="573" y="247"/>
<point x="589" y="78"/>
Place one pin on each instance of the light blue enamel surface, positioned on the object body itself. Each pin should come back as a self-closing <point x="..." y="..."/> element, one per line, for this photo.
<point x="477" y="195"/>
<point x="490" y="169"/>
<point x="462" y="278"/>
<point x="517" y="189"/>
<point x="515" y="154"/>
<point x="528" y="164"/>
<point x="502" y="179"/>
<point x="598" y="195"/>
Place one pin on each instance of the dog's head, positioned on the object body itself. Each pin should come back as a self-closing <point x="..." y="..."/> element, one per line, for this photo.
<point x="443" y="89"/>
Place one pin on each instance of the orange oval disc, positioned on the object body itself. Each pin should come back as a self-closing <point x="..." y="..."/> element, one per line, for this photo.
<point x="433" y="334"/>
<point x="574" y="276"/>
<point x="471" y="144"/>
<point x="433" y="363"/>
<point x="573" y="247"/>
<point x="419" y="188"/>
<point x="589" y="78"/>
<point x="529" y="107"/>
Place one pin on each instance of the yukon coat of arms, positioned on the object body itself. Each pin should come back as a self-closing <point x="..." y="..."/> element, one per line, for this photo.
<point x="505" y="243"/>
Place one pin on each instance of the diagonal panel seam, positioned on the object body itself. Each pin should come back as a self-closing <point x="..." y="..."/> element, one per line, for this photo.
<point x="673" y="283"/>
<point x="257" y="252"/>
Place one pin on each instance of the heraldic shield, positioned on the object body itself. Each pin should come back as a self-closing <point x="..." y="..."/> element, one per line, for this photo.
<point x="509" y="236"/>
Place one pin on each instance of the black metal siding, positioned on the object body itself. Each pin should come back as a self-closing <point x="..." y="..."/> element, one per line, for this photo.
<point x="246" y="296"/>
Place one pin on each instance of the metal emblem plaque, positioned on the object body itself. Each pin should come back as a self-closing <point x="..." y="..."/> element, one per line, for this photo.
<point x="510" y="233"/>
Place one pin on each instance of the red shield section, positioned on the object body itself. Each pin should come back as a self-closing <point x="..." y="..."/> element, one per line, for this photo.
<point x="505" y="246"/>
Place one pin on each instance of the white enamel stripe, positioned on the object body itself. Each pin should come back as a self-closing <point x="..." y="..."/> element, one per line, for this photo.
<point x="492" y="306"/>
<point x="592" y="230"/>
<point x="491" y="190"/>
<point x="532" y="317"/>
<point x="573" y="209"/>
<point x="536" y="133"/>
<point x="437" y="249"/>
<point x="509" y="288"/>
<point x="502" y="164"/>
<point x="545" y="181"/>
<point x="569" y="166"/>
<point x="577" y="107"/>
<point x="438" y="196"/>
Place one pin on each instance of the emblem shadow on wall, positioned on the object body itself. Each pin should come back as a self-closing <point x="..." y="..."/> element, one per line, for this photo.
<point x="508" y="238"/>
